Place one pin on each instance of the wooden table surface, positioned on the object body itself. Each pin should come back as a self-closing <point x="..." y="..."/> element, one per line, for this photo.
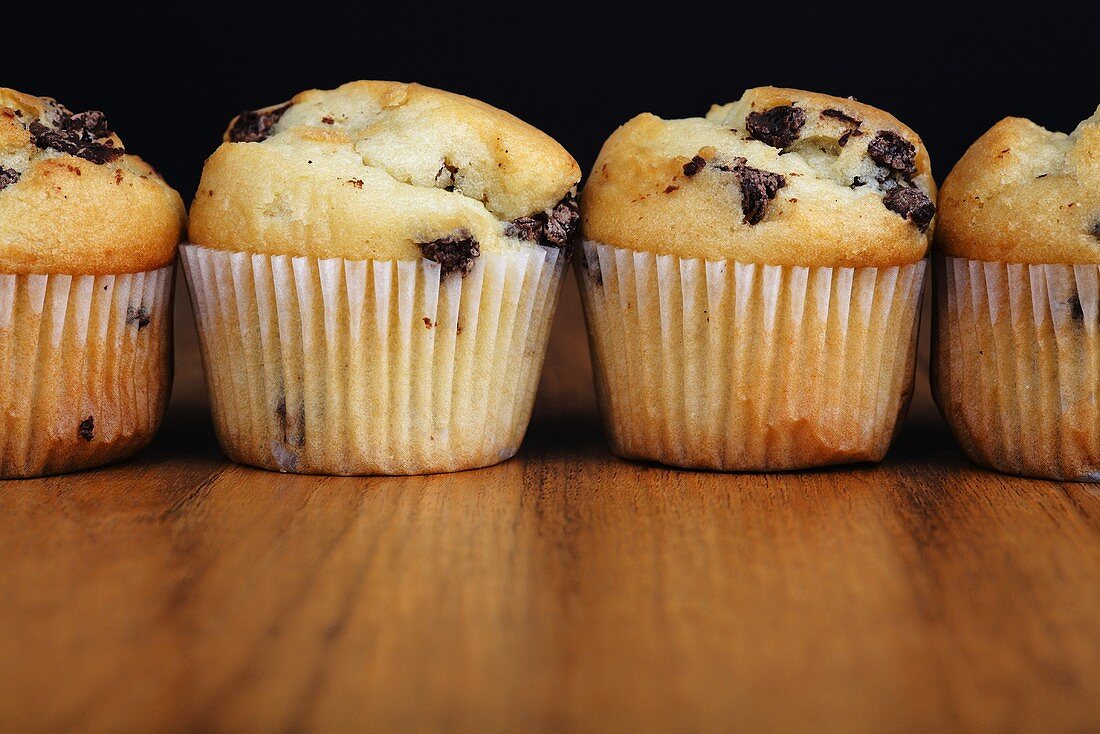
<point x="564" y="590"/>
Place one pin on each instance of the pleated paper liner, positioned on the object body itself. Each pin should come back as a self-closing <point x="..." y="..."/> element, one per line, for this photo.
<point x="1016" y="365"/>
<point x="86" y="363"/>
<point x="331" y="366"/>
<point x="742" y="367"/>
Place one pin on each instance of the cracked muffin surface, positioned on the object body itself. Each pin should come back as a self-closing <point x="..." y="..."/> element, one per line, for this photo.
<point x="1024" y="194"/>
<point x="781" y="176"/>
<point x="72" y="201"/>
<point x="385" y="171"/>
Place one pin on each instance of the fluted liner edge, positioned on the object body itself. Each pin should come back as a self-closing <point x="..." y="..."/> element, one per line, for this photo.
<point x="333" y="366"/>
<point x="87" y="368"/>
<point x="732" y="366"/>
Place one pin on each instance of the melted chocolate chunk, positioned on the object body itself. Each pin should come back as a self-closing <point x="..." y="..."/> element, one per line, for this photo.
<point x="892" y="151"/>
<point x="455" y="252"/>
<point x="843" y="139"/>
<point x="696" y="164"/>
<point x="84" y="135"/>
<point x="556" y="228"/>
<point x="254" y="126"/>
<point x="86" y="429"/>
<point x="563" y="224"/>
<point x="1095" y="231"/>
<point x="912" y="204"/>
<point x="138" y="315"/>
<point x="778" y="127"/>
<point x="758" y="187"/>
<point x="842" y="116"/>
<point x="853" y="124"/>
<point x="857" y="182"/>
<point x="7" y="177"/>
<point x="293" y="430"/>
<point x="528" y="229"/>
<point x="94" y="122"/>
<point x="1075" y="311"/>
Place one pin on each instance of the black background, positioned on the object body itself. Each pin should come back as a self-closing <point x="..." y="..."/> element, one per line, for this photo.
<point x="170" y="77"/>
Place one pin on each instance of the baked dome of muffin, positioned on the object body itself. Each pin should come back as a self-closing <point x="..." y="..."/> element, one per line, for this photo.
<point x="72" y="201"/>
<point x="1024" y="194"/>
<point x="781" y="176"/>
<point x="384" y="170"/>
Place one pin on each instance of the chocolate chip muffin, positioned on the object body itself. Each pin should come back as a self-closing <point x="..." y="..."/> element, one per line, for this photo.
<point x="1016" y="347"/>
<point x="374" y="270"/>
<point x="88" y="237"/>
<point x="752" y="281"/>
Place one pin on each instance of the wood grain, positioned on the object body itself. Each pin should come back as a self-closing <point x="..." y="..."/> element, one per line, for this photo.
<point x="565" y="590"/>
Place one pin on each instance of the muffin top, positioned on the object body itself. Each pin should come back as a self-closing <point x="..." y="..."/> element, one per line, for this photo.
<point x="781" y="176"/>
<point x="72" y="200"/>
<point x="1023" y="194"/>
<point x="385" y="171"/>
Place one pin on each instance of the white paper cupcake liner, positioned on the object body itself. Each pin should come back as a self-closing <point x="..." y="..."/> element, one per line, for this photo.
<point x="1016" y="364"/>
<point x="332" y="366"/>
<point x="86" y="363"/>
<point x="743" y="367"/>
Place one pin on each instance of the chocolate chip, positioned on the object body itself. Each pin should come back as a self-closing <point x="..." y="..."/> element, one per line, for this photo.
<point x="86" y="429"/>
<point x="93" y="121"/>
<point x="293" y="430"/>
<point x="696" y="164"/>
<point x="912" y="204"/>
<point x="8" y="177"/>
<point x="138" y="315"/>
<point x="528" y="229"/>
<point x="853" y="124"/>
<point x="892" y="151"/>
<point x="84" y="135"/>
<point x="842" y="116"/>
<point x="1095" y="231"/>
<point x="778" y="127"/>
<point x="455" y="252"/>
<point x="857" y="182"/>
<point x="564" y="221"/>
<point x="758" y="188"/>
<point x="1075" y="311"/>
<point x="557" y="227"/>
<point x="328" y="120"/>
<point x="255" y="126"/>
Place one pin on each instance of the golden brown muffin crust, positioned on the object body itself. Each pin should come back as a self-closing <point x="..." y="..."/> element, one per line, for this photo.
<point x="376" y="170"/>
<point x="1023" y="194"/>
<point x="782" y="176"/>
<point x="71" y="201"/>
